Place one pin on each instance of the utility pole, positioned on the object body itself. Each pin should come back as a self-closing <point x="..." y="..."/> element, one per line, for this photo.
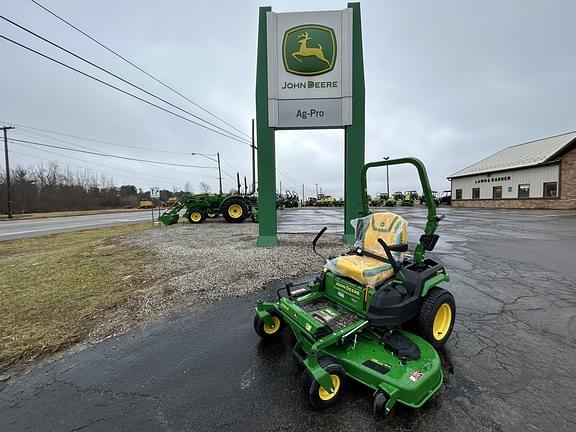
<point x="253" y="160"/>
<point x="280" y="187"/>
<point x="207" y="156"/>
<point x="387" y="177"/>
<point x="8" y="196"/>
<point x="316" y="190"/>
<point x="303" y="195"/>
<point x="219" y="172"/>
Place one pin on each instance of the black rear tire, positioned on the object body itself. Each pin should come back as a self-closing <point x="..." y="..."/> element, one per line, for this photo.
<point x="436" y="317"/>
<point x="316" y="395"/>
<point x="235" y="210"/>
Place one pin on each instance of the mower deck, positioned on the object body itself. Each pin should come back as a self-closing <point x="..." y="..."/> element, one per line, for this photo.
<point x="410" y="382"/>
<point x="329" y="329"/>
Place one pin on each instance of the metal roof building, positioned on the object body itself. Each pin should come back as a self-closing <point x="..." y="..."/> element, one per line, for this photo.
<point x="536" y="174"/>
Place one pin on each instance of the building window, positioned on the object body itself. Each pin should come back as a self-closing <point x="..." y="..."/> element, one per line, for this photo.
<point x="524" y="191"/>
<point x="550" y="190"/>
<point x="475" y="193"/>
<point x="458" y="194"/>
<point x="497" y="192"/>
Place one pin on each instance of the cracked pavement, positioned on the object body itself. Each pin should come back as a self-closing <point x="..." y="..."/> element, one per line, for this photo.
<point x="508" y="365"/>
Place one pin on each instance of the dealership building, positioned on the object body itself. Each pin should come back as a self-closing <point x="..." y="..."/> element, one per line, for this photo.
<point x="538" y="175"/>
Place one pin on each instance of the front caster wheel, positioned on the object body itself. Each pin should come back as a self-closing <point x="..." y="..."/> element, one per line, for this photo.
<point x="379" y="405"/>
<point x="317" y="395"/>
<point x="266" y="331"/>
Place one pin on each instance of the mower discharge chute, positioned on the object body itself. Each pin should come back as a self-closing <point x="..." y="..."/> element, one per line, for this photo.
<point x="352" y="321"/>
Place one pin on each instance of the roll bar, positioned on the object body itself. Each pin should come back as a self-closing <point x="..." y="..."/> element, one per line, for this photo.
<point x="432" y="219"/>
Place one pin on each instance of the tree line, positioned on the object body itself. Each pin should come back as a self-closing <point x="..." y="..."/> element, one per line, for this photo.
<point x="50" y="187"/>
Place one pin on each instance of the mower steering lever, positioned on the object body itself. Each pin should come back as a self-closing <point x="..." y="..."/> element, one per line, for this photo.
<point x="322" y="231"/>
<point x="389" y="255"/>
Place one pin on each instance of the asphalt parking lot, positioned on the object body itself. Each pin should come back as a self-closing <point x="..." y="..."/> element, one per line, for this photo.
<point x="508" y="365"/>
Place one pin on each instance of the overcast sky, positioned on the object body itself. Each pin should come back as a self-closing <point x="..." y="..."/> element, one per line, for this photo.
<point x="449" y="82"/>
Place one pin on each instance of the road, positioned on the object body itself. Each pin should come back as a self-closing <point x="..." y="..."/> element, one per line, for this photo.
<point x="508" y="365"/>
<point x="15" y="229"/>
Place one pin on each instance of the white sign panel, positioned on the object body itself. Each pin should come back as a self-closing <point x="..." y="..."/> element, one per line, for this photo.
<point x="154" y="192"/>
<point x="310" y="69"/>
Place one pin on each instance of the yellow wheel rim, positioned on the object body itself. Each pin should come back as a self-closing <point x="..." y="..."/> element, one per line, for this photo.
<point x="235" y="211"/>
<point x="442" y="321"/>
<point x="271" y="329"/>
<point x="325" y="394"/>
<point x="196" y="217"/>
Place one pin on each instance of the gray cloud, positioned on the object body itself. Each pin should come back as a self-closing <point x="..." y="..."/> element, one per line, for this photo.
<point x="449" y="82"/>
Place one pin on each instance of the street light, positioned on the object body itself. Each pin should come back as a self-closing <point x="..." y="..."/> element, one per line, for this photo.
<point x="387" y="178"/>
<point x="207" y="156"/>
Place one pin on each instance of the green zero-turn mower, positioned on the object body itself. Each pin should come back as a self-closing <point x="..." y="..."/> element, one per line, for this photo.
<point x="375" y="314"/>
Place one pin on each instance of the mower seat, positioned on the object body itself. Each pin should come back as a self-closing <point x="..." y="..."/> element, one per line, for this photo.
<point x="363" y="269"/>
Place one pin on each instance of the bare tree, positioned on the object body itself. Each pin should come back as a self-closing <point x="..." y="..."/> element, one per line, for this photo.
<point x="204" y="187"/>
<point x="53" y="188"/>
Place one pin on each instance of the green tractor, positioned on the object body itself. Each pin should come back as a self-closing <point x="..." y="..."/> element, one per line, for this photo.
<point x="379" y="199"/>
<point x="373" y="315"/>
<point x="292" y="200"/>
<point x="311" y="202"/>
<point x="390" y="201"/>
<point x="445" y="198"/>
<point x="326" y="201"/>
<point x="435" y="196"/>
<point x="409" y="198"/>
<point x="234" y="208"/>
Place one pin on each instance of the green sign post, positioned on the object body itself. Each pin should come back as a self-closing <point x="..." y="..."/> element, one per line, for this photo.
<point x="309" y="75"/>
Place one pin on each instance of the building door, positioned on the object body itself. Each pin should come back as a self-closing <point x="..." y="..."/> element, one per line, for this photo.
<point x="497" y="192"/>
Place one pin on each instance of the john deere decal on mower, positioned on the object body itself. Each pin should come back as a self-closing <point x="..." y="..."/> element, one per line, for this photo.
<point x="352" y="322"/>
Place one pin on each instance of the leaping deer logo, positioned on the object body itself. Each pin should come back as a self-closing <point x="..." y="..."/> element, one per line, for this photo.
<point x="306" y="51"/>
<point x="309" y="50"/>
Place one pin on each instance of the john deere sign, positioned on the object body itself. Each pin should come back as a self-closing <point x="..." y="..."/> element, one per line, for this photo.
<point x="309" y="50"/>
<point x="310" y="69"/>
<point x="309" y="66"/>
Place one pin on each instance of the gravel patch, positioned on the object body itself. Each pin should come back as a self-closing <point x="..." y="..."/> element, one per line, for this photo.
<point x="203" y="263"/>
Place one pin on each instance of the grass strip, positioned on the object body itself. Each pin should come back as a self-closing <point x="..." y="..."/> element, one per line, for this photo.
<point x="54" y="290"/>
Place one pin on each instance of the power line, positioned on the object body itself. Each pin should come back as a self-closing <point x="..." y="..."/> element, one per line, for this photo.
<point x="169" y="180"/>
<point x="115" y="76"/>
<point x="35" y="135"/>
<point x="290" y="179"/>
<point x="95" y="140"/>
<point x="154" y="164"/>
<point x="119" y="89"/>
<point x="101" y="141"/>
<point x="136" y="66"/>
<point x="109" y="155"/>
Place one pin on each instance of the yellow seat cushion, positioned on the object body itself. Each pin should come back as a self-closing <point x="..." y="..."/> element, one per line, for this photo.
<point x="364" y="270"/>
<point x="388" y="226"/>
